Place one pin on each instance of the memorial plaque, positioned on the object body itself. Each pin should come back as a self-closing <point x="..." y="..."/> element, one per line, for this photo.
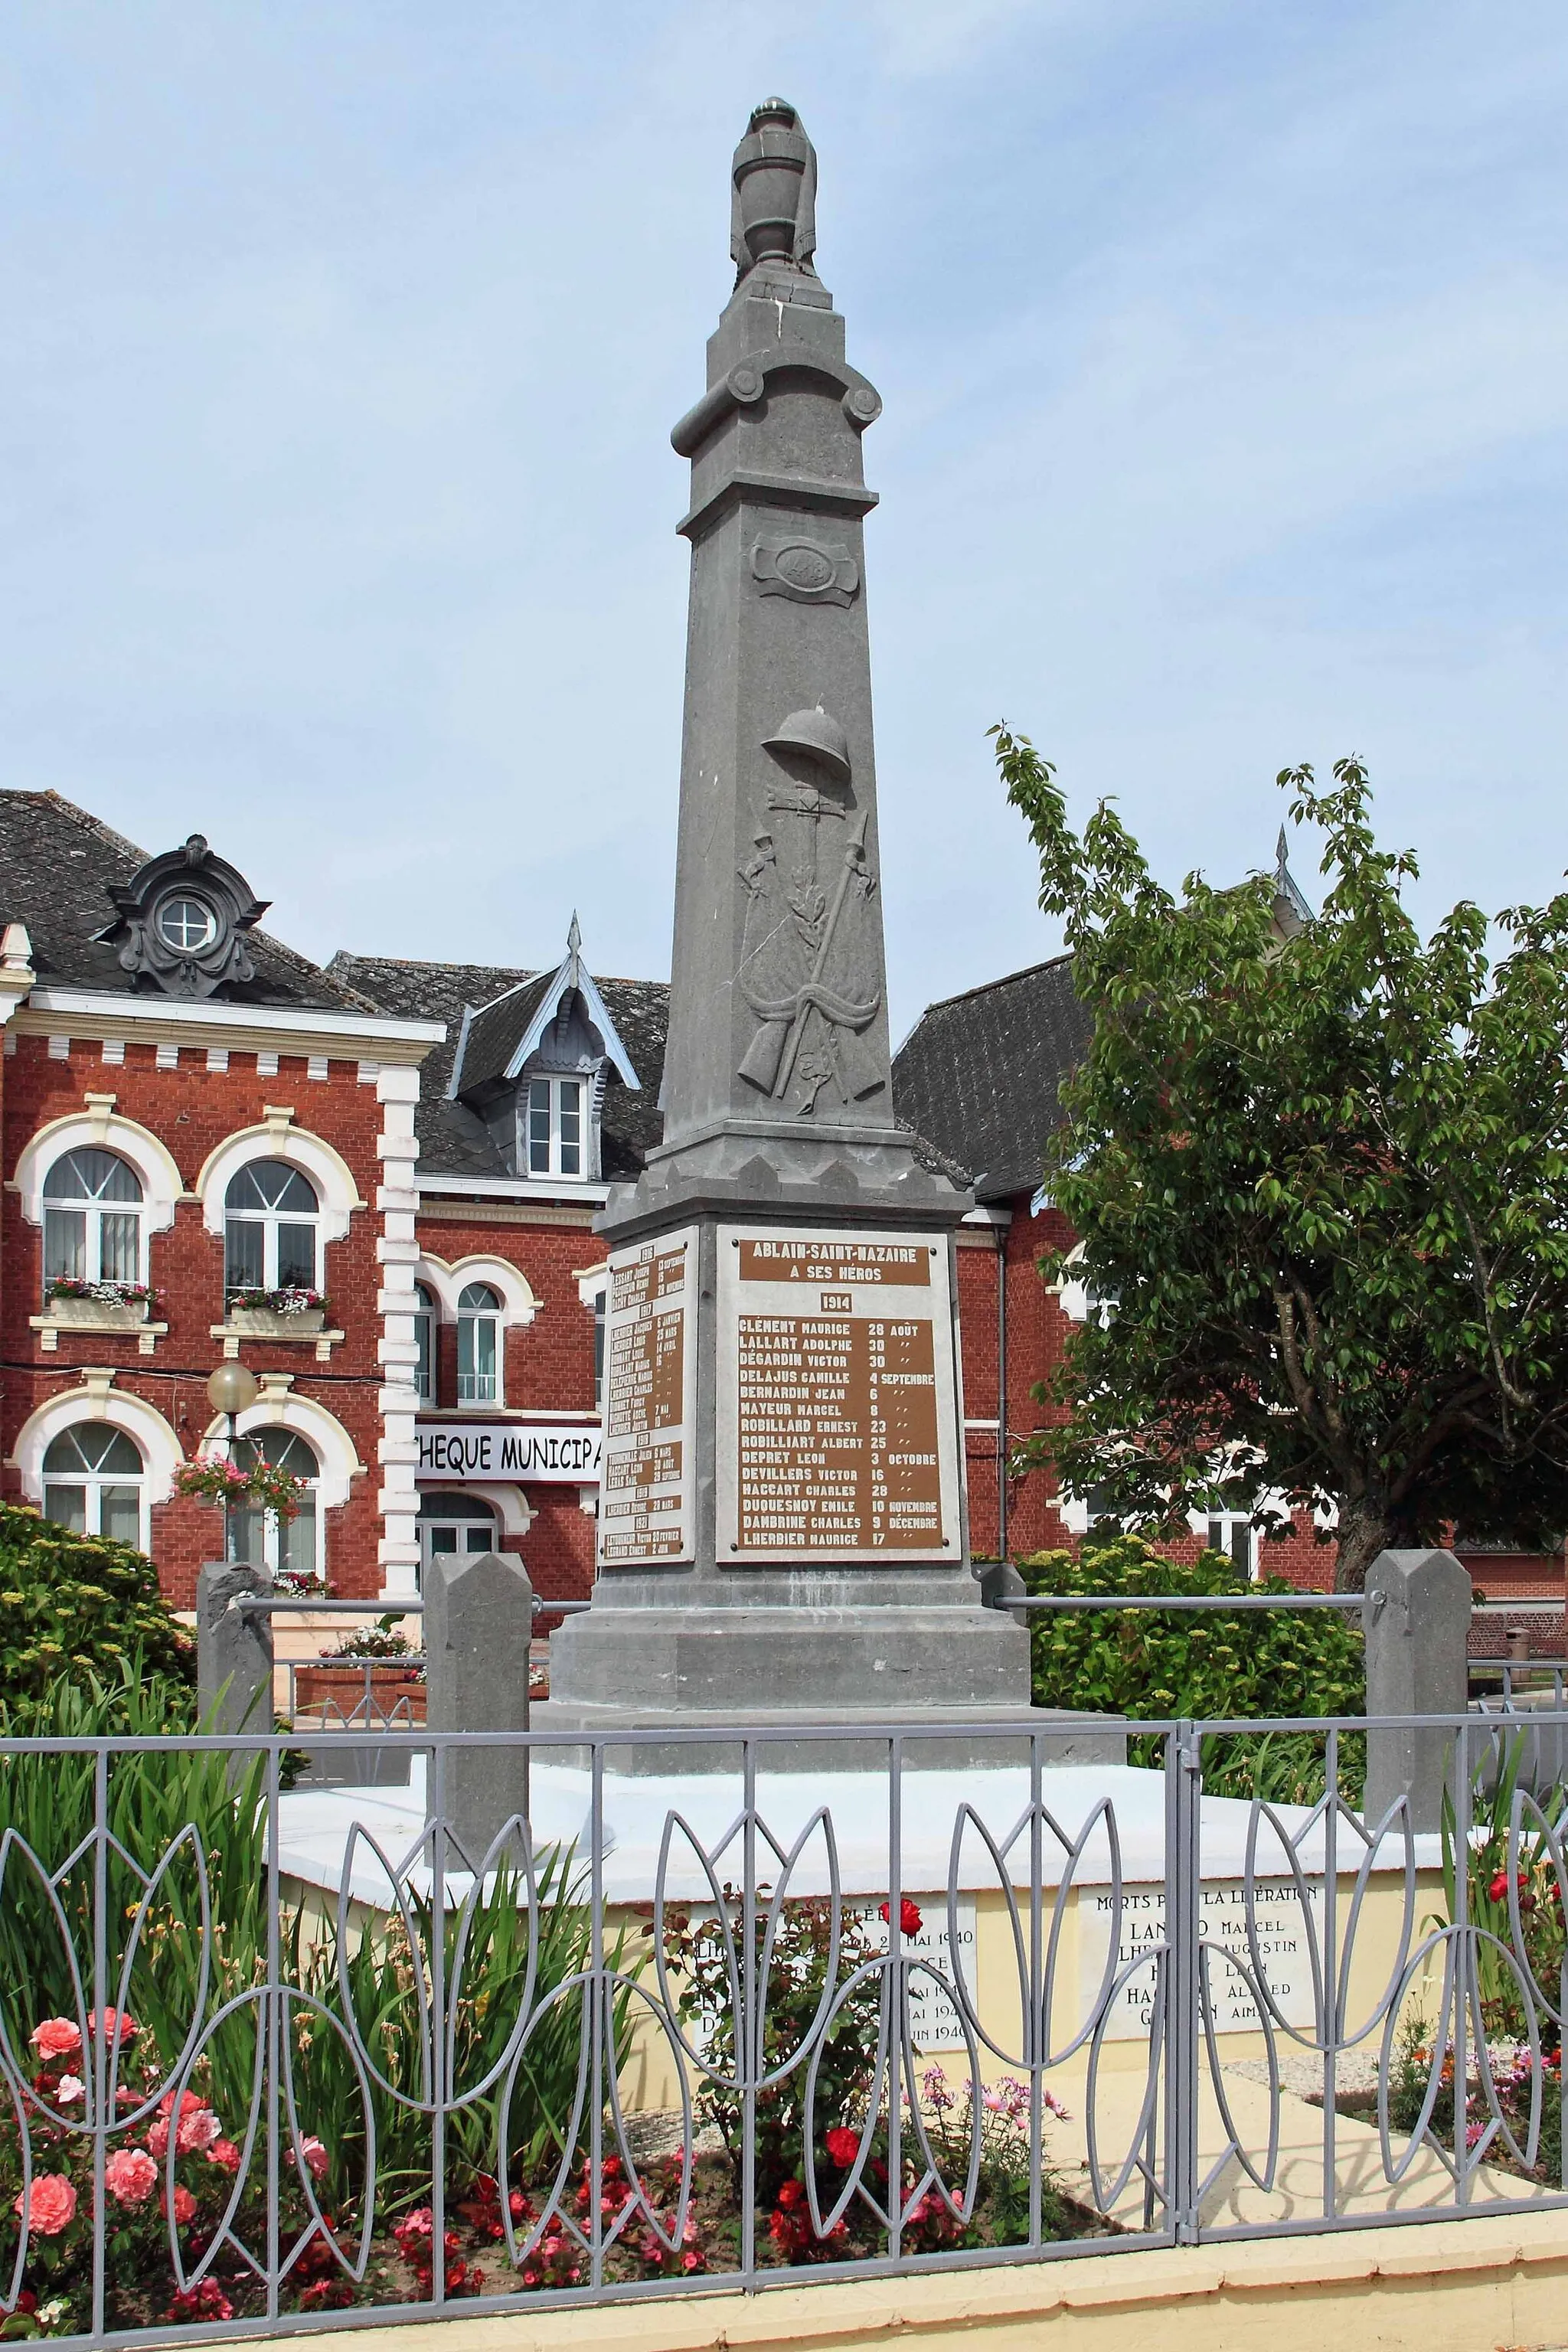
<point x="649" y="1392"/>
<point x="837" y="1421"/>
<point x="1284" y="1949"/>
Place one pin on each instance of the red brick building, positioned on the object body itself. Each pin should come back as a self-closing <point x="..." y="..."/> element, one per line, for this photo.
<point x="375" y="1185"/>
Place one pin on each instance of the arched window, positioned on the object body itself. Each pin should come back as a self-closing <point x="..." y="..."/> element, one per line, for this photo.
<point x="424" y="1341"/>
<point x="479" y="1345"/>
<point x="293" y="1547"/>
<point x="92" y="1219"/>
<point x="92" y="1482"/>
<point x="452" y="1524"/>
<point x="270" y="1229"/>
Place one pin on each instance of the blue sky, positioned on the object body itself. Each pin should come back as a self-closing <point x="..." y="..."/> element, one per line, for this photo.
<point x="1225" y="355"/>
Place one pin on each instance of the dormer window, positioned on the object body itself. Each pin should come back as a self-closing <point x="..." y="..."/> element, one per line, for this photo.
<point x="533" y="1065"/>
<point x="181" y="923"/>
<point x="555" y="1127"/>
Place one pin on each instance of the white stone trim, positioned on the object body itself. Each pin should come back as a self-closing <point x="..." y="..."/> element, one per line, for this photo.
<point x="100" y="1127"/>
<point x="279" y="1139"/>
<point x="592" y="1282"/>
<point x="278" y="1408"/>
<point x="98" y="1400"/>
<point x="397" y="1448"/>
<point x="434" y="1186"/>
<point x="275" y="1020"/>
<point x="448" y="1278"/>
<point x="517" y="1513"/>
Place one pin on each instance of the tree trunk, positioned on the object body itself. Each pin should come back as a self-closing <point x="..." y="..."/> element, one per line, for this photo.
<point x="1365" y="1531"/>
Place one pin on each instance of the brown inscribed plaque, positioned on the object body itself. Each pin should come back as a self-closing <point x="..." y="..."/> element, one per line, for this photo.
<point x="837" y="1433"/>
<point x="902" y="1263"/>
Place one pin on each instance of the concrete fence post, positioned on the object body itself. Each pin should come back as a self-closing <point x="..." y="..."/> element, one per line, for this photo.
<point x="1417" y="1623"/>
<point x="479" y="1624"/>
<point x="234" y="1651"/>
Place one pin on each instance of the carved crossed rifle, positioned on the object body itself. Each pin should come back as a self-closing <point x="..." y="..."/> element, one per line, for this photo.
<point x="771" y="1057"/>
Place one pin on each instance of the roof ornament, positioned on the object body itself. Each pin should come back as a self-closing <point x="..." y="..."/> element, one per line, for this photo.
<point x="180" y="922"/>
<point x="772" y="209"/>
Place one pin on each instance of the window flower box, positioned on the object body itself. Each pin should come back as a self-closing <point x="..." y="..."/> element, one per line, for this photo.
<point x="270" y="1323"/>
<point x="79" y="1306"/>
<point x="97" y="1314"/>
<point x="277" y="1314"/>
<point x="70" y="1305"/>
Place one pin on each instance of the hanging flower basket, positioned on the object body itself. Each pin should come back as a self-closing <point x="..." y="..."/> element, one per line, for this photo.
<point x="214" y="1478"/>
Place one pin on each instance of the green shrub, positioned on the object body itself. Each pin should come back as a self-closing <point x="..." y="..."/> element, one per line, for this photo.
<point x="1146" y="1665"/>
<point x="77" y="1607"/>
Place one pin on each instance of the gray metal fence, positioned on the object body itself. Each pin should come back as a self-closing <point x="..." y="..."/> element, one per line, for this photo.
<point x="289" y="2053"/>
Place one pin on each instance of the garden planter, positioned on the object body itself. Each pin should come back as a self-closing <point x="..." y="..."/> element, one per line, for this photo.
<point x="264" y="1323"/>
<point x="343" y="1688"/>
<point x="96" y="1314"/>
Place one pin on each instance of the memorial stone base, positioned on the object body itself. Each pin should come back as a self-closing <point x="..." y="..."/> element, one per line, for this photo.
<point x="782" y="1535"/>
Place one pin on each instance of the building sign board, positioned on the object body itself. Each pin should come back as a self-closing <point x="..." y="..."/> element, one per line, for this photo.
<point x="650" y="1403"/>
<point x="838" y="1428"/>
<point x="541" y="1452"/>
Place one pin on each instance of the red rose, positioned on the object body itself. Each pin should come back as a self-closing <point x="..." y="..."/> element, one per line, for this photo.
<point x="48" y="2207"/>
<point x="791" y="2193"/>
<point x="1498" y="1890"/>
<point x="843" y="2145"/>
<point x="909" y="1921"/>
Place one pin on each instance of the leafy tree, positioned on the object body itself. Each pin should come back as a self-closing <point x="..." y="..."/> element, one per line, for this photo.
<point x="1326" y="1179"/>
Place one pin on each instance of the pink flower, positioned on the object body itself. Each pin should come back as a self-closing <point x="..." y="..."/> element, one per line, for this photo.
<point x="193" y="2133"/>
<point x="184" y="2206"/>
<point x="56" y="2037"/>
<point x="224" y="2154"/>
<point x="158" y="2140"/>
<point x="112" y="2021"/>
<point x="131" y="2175"/>
<point x="48" y="2207"/>
<point x="69" y="2089"/>
<point x="316" y="2158"/>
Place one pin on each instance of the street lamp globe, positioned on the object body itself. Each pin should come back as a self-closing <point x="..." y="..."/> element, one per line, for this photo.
<point x="233" y="1388"/>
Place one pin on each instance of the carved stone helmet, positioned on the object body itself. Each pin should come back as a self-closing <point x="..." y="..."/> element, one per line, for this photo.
<point x="819" y="736"/>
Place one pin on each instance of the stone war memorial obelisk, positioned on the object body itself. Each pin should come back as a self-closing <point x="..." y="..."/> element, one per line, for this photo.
<point x="781" y="1520"/>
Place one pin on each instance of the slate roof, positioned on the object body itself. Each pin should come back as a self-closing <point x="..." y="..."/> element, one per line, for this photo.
<point x="494" y="1031"/>
<point x="979" y="1075"/>
<point x="453" y="1141"/>
<point x="56" y="867"/>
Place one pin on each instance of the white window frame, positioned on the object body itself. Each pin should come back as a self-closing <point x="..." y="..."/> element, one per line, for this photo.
<point x="430" y="1517"/>
<point x="270" y="1220"/>
<point x="469" y="1318"/>
<point x="94" y="1484"/>
<point x="555" y="1082"/>
<point x="92" y="1213"/>
<point x="1229" y="1526"/>
<point x="427" y="1318"/>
